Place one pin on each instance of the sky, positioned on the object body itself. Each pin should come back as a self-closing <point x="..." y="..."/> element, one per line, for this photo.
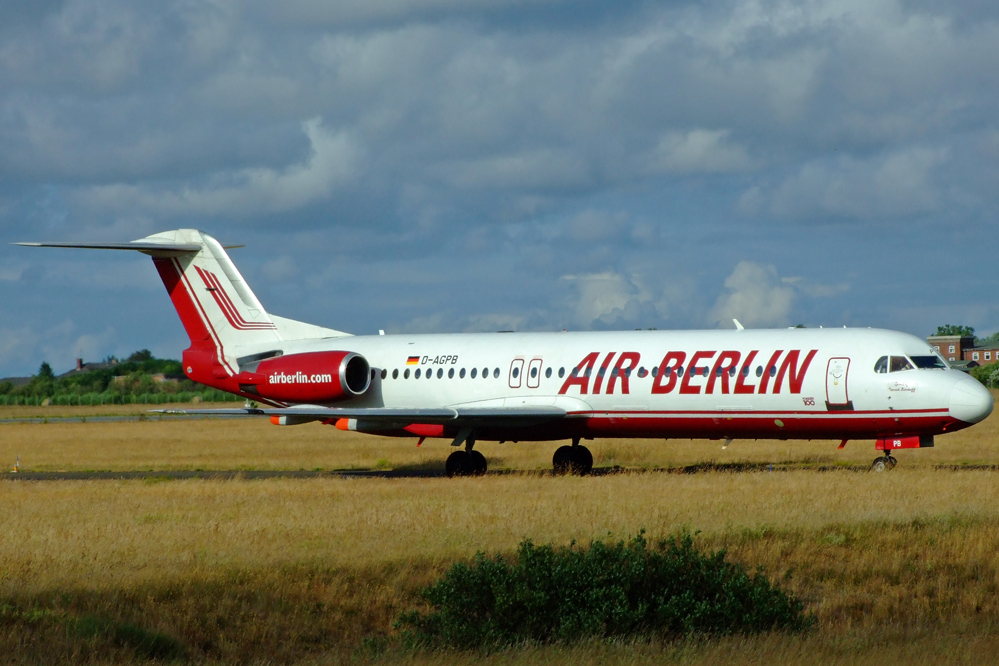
<point x="447" y="166"/>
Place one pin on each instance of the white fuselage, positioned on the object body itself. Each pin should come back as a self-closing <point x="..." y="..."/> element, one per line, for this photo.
<point x="814" y="383"/>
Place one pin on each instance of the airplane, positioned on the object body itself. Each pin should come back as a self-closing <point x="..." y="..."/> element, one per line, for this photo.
<point x="800" y="383"/>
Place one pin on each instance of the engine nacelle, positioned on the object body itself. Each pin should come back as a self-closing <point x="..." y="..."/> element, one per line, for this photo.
<point x="313" y="377"/>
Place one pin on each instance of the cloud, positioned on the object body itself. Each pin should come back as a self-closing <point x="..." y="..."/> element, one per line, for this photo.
<point x="333" y="163"/>
<point x="610" y="298"/>
<point x="698" y="151"/>
<point x="755" y="296"/>
<point x="446" y="163"/>
<point x="896" y="185"/>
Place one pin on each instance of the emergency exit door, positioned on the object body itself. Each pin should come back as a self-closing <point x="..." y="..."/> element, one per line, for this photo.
<point x="837" y="393"/>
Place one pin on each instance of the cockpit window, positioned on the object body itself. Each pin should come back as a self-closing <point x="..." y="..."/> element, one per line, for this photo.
<point x="932" y="361"/>
<point x="899" y="363"/>
<point x="882" y="365"/>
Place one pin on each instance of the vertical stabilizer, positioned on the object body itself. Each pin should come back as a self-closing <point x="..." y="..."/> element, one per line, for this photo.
<point x="216" y="306"/>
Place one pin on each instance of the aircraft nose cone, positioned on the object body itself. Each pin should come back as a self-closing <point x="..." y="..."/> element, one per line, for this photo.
<point x="970" y="401"/>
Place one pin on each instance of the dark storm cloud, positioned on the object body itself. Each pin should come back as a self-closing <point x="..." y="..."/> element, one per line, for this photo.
<point x="495" y="164"/>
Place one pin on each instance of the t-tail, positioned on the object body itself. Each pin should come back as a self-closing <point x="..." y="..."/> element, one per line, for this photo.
<point x="225" y="321"/>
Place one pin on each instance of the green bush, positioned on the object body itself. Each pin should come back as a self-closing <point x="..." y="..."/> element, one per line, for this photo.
<point x="550" y="594"/>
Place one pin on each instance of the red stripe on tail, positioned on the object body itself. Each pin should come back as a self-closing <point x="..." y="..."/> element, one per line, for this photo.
<point x="182" y="302"/>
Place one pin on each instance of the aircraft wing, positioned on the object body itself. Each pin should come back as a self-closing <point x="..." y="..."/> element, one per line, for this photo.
<point x="466" y="417"/>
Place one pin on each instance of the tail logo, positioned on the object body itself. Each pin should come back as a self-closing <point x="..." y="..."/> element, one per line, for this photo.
<point x="214" y="286"/>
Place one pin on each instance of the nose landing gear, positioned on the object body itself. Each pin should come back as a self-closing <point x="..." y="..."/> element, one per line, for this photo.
<point x="573" y="459"/>
<point x="885" y="463"/>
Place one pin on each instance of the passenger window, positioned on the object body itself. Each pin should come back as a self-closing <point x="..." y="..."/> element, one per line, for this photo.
<point x="395" y="374"/>
<point x="561" y="373"/>
<point x="440" y="372"/>
<point x="450" y="373"/>
<point x="405" y="373"/>
<point x="759" y="371"/>
<point x="461" y="374"/>
<point x="516" y="372"/>
<point x="899" y="363"/>
<point x="384" y="374"/>
<point x="475" y="371"/>
<point x="548" y="372"/>
<point x="496" y="373"/>
<point x="534" y="372"/>
<point x="485" y="372"/>
<point x="417" y="373"/>
<point x="881" y="366"/>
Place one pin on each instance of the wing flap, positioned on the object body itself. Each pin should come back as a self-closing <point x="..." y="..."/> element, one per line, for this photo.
<point x="459" y="416"/>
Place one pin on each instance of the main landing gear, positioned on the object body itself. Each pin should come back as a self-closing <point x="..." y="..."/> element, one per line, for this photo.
<point x="885" y="463"/>
<point x="468" y="462"/>
<point x="573" y="459"/>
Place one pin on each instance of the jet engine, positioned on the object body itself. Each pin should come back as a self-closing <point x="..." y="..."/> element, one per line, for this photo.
<point x="313" y="377"/>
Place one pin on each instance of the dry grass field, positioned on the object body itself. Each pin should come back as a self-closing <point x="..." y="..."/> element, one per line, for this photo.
<point x="900" y="567"/>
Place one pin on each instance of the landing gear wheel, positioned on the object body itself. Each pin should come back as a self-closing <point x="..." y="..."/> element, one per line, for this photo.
<point x="582" y="460"/>
<point x="572" y="460"/>
<point x="883" y="464"/>
<point x="459" y="463"/>
<point x="562" y="460"/>
<point x="478" y="462"/>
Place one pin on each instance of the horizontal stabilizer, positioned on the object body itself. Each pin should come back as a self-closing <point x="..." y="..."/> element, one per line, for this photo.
<point x="146" y="247"/>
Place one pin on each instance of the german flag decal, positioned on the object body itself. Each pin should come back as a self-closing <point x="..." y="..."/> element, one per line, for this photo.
<point x="413" y="360"/>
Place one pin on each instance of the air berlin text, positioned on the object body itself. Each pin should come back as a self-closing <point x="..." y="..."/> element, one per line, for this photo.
<point x="298" y="378"/>
<point x="700" y="372"/>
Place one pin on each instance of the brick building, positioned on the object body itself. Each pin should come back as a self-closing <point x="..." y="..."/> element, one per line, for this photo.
<point x="962" y="348"/>
<point x="951" y="347"/>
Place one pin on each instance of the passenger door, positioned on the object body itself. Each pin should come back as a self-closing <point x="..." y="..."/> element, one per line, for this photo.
<point x="837" y="394"/>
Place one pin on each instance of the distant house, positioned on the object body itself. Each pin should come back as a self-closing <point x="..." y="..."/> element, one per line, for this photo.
<point x="82" y="367"/>
<point x="951" y="347"/>
<point x="961" y="350"/>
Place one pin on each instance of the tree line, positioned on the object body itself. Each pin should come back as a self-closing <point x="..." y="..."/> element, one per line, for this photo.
<point x="141" y="375"/>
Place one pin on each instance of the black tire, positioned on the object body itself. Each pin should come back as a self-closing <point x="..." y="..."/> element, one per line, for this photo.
<point x="880" y="465"/>
<point x="458" y="464"/>
<point x="582" y="460"/>
<point x="478" y="462"/>
<point x="562" y="460"/>
<point x="892" y="462"/>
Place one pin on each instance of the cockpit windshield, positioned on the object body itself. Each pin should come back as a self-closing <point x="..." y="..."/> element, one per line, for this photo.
<point x="900" y="363"/>
<point x="932" y="361"/>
